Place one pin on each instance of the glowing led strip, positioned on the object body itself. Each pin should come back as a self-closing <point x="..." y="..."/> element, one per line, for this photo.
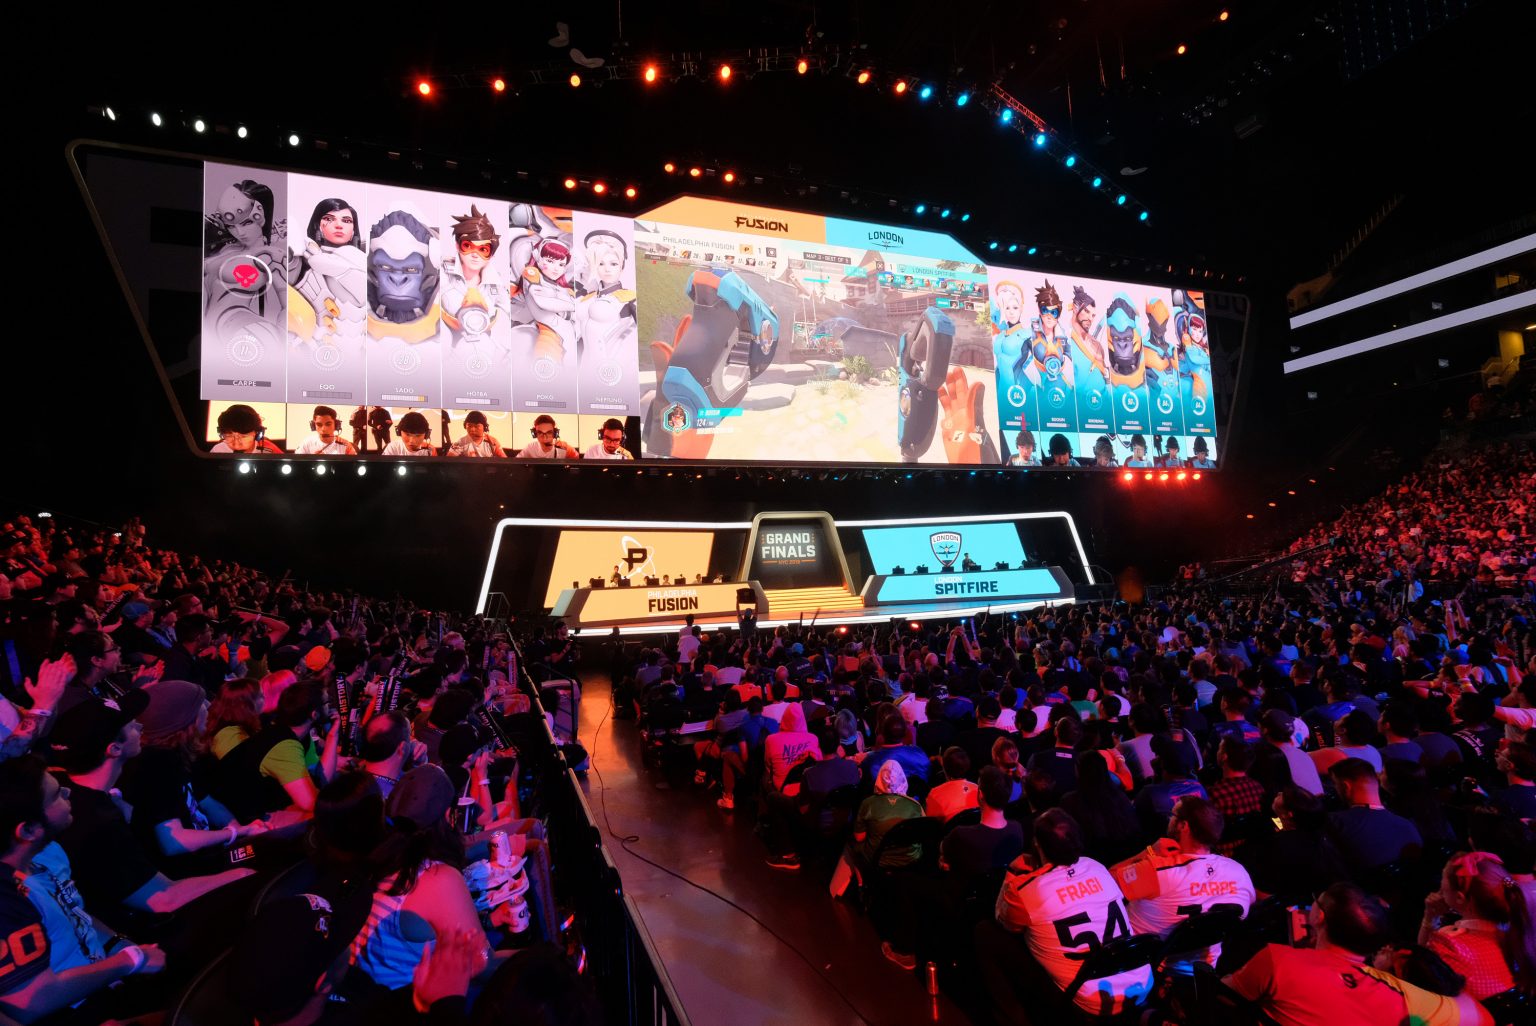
<point x="1429" y="327"/>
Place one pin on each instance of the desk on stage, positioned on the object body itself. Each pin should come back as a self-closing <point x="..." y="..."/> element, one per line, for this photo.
<point x="973" y="587"/>
<point x="666" y="604"/>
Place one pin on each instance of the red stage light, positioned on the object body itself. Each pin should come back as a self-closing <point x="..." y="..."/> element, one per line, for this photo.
<point x="1182" y="49"/>
<point x="575" y="80"/>
<point x="669" y="167"/>
<point x="1180" y="476"/>
<point x="599" y="188"/>
<point x="424" y="87"/>
<point x="1163" y="476"/>
<point x="863" y="77"/>
<point x="499" y="84"/>
<point x="1195" y="476"/>
<point x="913" y="625"/>
<point x="1250" y="516"/>
<point x="570" y="183"/>
<point x="842" y="630"/>
<point x="901" y="87"/>
<point x="729" y="176"/>
<point x="694" y="172"/>
<point x="1223" y="16"/>
<point x="650" y="72"/>
<point x="1272" y="505"/>
<point x="1290" y="491"/>
<point x="629" y="193"/>
<point x="725" y="72"/>
<point x="1149" y="475"/>
<point x="803" y="66"/>
<point x="1129" y="476"/>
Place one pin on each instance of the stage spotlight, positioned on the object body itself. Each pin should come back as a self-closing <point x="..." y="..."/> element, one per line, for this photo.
<point x="1040" y="139"/>
<point x="1182" y="50"/>
<point x="1097" y="181"/>
<point x="1290" y="491"/>
<point x="110" y="113"/>
<point x="1142" y="216"/>
<point x="962" y="99"/>
<point x="914" y="625"/>
<point x="575" y="80"/>
<point x="1148" y="475"/>
<point x="1250" y="516"/>
<point x="599" y="188"/>
<point x="944" y="212"/>
<point x="293" y="138"/>
<point x="245" y="467"/>
<point x="1163" y="476"/>
<point x="1071" y="160"/>
<point x="362" y="470"/>
<point x="242" y="131"/>
<point x="154" y="119"/>
<point x="1033" y="250"/>
<point x="1223" y="16"/>
<point x="1195" y="476"/>
<point x="1013" y="247"/>
<point x="570" y="183"/>
<point x="863" y="78"/>
<point x="925" y="92"/>
<point x="1129" y="476"/>
<point x="695" y="172"/>
<point x="802" y="67"/>
<point x="965" y="217"/>
<point x="1180" y="476"/>
<point x="400" y="469"/>
<point x="650" y="73"/>
<point x="1120" y="200"/>
<point x="991" y="245"/>
<point x="199" y="126"/>
<point x="1272" y="505"/>
<point x="901" y="86"/>
<point x="320" y="469"/>
<point x="286" y="469"/>
<point x="1006" y="116"/>
<point x="499" y="85"/>
<point x="424" y="87"/>
<point x="729" y="177"/>
<point x="724" y="73"/>
<point x="920" y="209"/>
<point x="630" y="193"/>
<point x="669" y="167"/>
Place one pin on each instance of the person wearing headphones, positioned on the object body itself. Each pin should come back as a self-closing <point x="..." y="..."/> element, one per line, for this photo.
<point x="325" y="441"/>
<point x="547" y="443"/>
<point x="612" y="445"/>
<point x="413" y="430"/>
<point x="241" y="430"/>
<point x="476" y="441"/>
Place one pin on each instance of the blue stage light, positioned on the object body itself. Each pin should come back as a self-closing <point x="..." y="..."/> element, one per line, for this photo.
<point x="991" y="245"/>
<point x="1006" y="116"/>
<point x="1014" y="248"/>
<point x="1039" y="138"/>
<point x="1033" y="250"/>
<point x="925" y="92"/>
<point x="962" y="99"/>
<point x="944" y="212"/>
<point x="921" y="208"/>
<point x="1120" y="200"/>
<point x="1072" y="161"/>
<point x="1143" y="216"/>
<point x="965" y="217"/>
<point x="1097" y="181"/>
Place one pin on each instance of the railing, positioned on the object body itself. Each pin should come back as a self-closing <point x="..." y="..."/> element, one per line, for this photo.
<point x="617" y="953"/>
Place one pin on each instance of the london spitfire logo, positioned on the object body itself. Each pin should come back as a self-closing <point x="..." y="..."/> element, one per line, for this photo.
<point x="946" y="547"/>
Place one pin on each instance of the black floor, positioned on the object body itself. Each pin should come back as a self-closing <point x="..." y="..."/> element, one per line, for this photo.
<point x="823" y="967"/>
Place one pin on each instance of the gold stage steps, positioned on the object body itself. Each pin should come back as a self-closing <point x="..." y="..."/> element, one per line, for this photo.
<point x="787" y="602"/>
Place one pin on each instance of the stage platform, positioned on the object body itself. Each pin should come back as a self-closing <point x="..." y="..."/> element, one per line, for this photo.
<point x="726" y="967"/>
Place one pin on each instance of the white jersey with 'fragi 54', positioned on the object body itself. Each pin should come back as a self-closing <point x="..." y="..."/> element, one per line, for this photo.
<point x="1066" y="912"/>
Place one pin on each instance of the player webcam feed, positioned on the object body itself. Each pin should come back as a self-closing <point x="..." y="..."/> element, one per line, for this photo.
<point x="779" y="336"/>
<point x="1101" y="374"/>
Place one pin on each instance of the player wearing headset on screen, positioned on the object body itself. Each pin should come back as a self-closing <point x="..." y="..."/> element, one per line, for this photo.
<point x="240" y="430"/>
<point x="413" y="430"/>
<point x="547" y="443"/>
<point x="1061" y="451"/>
<point x="1026" y="456"/>
<point x="323" y="440"/>
<point x="1103" y="452"/>
<point x="1139" y="453"/>
<point x="1170" y="457"/>
<point x="612" y="445"/>
<point x="1202" y="457"/>
<point x="476" y="441"/>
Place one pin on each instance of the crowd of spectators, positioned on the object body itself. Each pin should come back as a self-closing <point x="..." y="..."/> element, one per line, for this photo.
<point x="1323" y="796"/>
<point x="221" y="791"/>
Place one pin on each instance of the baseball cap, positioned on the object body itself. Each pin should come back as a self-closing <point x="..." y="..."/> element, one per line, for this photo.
<point x="316" y="658"/>
<point x="134" y="610"/>
<point x="422" y="797"/>
<point x="284" y="657"/>
<point x="80" y="737"/>
<point x="173" y="706"/>
<point x="1278" y="721"/>
<point x="281" y="953"/>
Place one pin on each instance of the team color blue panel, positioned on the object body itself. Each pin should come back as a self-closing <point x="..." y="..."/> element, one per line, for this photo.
<point x="940" y="546"/>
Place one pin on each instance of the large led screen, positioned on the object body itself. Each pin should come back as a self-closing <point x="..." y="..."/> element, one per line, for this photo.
<point x="334" y="317"/>
<point x="628" y="558"/>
